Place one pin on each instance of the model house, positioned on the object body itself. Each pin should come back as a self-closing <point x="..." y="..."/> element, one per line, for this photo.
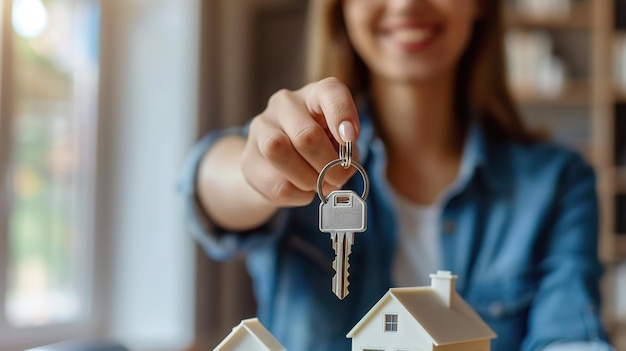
<point x="249" y="335"/>
<point x="422" y="318"/>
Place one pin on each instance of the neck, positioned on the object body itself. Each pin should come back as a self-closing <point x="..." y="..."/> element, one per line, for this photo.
<point x="422" y="135"/>
<point x="418" y="119"/>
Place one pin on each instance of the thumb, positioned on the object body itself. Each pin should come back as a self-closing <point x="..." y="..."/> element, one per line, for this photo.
<point x="332" y="99"/>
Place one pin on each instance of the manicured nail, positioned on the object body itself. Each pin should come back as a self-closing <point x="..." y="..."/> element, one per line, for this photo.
<point x="347" y="131"/>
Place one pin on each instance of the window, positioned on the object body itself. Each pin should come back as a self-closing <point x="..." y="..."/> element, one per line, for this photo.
<point x="150" y="63"/>
<point x="391" y="322"/>
<point x="49" y="83"/>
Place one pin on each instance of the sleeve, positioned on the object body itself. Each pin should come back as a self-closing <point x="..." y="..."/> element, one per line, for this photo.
<point x="566" y="308"/>
<point x="218" y="243"/>
<point x="579" y="346"/>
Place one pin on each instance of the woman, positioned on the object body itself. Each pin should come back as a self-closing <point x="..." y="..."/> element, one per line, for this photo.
<point x="458" y="183"/>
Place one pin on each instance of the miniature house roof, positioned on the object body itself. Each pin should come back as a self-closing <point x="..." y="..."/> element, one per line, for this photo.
<point x="444" y="325"/>
<point x="256" y="330"/>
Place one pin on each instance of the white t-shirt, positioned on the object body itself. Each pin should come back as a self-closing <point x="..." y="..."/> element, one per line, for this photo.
<point x="418" y="249"/>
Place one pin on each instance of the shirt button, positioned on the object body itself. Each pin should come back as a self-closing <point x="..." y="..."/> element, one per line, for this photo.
<point x="449" y="227"/>
<point x="496" y="309"/>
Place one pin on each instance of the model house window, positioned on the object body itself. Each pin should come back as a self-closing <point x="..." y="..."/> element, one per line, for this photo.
<point x="47" y="149"/>
<point x="391" y="322"/>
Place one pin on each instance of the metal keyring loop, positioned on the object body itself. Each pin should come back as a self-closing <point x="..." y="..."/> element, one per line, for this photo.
<point x="320" y="178"/>
<point x="345" y="154"/>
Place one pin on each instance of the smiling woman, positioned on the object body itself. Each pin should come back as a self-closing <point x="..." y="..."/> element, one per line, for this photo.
<point x="420" y="88"/>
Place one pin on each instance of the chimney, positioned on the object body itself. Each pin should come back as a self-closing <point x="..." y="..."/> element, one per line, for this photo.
<point x="443" y="284"/>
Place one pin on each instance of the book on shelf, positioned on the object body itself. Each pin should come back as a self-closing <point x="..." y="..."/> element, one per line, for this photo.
<point x="532" y="66"/>
<point x="619" y="61"/>
<point x="620" y="14"/>
<point x="543" y="8"/>
<point x="620" y="214"/>
<point x="620" y="135"/>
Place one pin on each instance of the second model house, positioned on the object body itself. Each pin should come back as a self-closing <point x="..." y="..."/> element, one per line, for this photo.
<point x="422" y="318"/>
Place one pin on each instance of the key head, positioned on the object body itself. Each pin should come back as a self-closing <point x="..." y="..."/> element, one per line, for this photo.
<point x="343" y="211"/>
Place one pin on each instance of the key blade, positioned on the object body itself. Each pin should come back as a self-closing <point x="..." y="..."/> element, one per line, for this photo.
<point x="342" y="244"/>
<point x="340" y="265"/>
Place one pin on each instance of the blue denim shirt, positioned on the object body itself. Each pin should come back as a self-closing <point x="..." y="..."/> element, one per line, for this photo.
<point x="519" y="227"/>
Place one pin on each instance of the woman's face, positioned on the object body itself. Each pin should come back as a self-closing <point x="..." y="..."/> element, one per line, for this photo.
<point x="410" y="40"/>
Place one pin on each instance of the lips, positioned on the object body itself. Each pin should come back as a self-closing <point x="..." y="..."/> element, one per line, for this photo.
<point x="414" y="35"/>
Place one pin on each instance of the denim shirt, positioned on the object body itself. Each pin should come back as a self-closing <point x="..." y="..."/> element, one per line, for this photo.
<point x="519" y="227"/>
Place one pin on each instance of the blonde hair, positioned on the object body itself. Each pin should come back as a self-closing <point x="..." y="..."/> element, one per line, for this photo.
<point x="481" y="88"/>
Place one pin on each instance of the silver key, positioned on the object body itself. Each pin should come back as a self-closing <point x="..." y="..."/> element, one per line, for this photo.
<point x="342" y="214"/>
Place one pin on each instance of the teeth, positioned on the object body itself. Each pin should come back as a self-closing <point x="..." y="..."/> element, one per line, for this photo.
<point x="412" y="35"/>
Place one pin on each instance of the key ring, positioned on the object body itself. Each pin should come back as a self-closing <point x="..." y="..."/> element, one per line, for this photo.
<point x="345" y="154"/>
<point x="345" y="159"/>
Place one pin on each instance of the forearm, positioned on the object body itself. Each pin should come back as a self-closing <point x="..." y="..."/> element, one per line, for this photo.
<point x="228" y="199"/>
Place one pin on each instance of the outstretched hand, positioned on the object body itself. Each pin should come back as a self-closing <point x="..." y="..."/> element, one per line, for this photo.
<point x="295" y="137"/>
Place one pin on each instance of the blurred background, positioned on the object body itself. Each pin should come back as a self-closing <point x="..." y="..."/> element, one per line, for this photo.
<point x="101" y="99"/>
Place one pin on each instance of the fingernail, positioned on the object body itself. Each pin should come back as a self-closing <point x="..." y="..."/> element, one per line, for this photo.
<point x="347" y="131"/>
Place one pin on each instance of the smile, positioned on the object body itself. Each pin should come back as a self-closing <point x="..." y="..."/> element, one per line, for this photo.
<point x="414" y="35"/>
<point x="412" y="38"/>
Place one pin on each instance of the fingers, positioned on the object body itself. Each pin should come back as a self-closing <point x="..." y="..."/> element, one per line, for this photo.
<point x="295" y="137"/>
<point x="277" y="172"/>
<point x="279" y="190"/>
<point x="276" y="147"/>
<point x="332" y="100"/>
<point x="311" y="142"/>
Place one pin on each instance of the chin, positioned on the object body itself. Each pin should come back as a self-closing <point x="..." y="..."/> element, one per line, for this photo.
<point x="415" y="77"/>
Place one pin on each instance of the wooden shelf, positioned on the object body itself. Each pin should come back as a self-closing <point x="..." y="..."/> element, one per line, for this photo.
<point x="620" y="95"/>
<point x="579" y="17"/>
<point x="620" y="180"/>
<point x="620" y="247"/>
<point x="573" y="93"/>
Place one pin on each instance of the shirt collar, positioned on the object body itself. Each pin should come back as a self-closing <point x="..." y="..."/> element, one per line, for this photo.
<point x="484" y="157"/>
<point x="366" y="135"/>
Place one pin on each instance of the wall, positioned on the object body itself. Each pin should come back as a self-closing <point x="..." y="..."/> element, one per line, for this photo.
<point x="257" y="50"/>
<point x="148" y="117"/>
